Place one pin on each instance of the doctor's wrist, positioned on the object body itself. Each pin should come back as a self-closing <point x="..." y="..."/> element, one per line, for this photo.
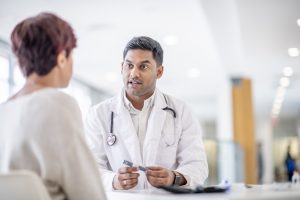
<point x="179" y="179"/>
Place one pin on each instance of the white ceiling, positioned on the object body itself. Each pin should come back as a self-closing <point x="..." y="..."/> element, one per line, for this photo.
<point x="220" y="38"/>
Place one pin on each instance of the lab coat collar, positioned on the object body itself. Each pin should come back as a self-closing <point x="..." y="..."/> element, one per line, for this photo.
<point x="147" y="103"/>
<point x="118" y="104"/>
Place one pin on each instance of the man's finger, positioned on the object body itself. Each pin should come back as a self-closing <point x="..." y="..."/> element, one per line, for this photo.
<point x="156" y="181"/>
<point x="128" y="183"/>
<point x="128" y="176"/>
<point x="127" y="187"/>
<point x="123" y="170"/>
<point x="162" y="173"/>
<point x="154" y="168"/>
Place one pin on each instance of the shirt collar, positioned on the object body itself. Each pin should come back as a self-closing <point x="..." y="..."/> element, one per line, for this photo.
<point x="147" y="103"/>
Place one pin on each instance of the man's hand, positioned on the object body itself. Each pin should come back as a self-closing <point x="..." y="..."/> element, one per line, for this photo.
<point x="159" y="176"/>
<point x="126" y="178"/>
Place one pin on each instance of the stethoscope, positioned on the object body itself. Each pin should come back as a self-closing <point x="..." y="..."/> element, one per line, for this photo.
<point x="112" y="138"/>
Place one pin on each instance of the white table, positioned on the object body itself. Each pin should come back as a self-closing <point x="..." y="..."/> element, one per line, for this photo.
<point x="265" y="192"/>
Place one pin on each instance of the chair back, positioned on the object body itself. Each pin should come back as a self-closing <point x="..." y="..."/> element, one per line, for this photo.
<point x="22" y="185"/>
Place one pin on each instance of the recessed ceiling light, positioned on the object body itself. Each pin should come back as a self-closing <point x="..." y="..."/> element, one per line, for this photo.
<point x="298" y="22"/>
<point x="281" y="91"/>
<point x="193" y="72"/>
<point x="293" y="52"/>
<point x="170" y="40"/>
<point x="284" y="81"/>
<point x="287" y="71"/>
<point x="277" y="106"/>
<point x="276" y="111"/>
<point x="280" y="94"/>
<point x="279" y="100"/>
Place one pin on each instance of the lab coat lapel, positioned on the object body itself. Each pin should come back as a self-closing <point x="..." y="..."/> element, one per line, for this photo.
<point x="127" y="132"/>
<point x="154" y="129"/>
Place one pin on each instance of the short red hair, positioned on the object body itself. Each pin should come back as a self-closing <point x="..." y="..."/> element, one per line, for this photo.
<point x="37" y="41"/>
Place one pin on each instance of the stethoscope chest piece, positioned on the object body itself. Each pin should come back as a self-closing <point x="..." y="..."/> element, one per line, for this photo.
<point x="111" y="139"/>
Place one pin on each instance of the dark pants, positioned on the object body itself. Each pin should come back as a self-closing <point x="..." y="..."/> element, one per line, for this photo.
<point x="290" y="175"/>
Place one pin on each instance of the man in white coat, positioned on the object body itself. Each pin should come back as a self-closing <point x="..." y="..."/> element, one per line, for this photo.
<point x="146" y="127"/>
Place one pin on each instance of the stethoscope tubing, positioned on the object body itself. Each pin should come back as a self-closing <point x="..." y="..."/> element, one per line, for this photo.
<point x="111" y="122"/>
<point x="112" y="137"/>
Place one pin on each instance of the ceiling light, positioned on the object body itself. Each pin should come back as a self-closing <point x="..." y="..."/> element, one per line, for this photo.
<point x="193" y="72"/>
<point x="277" y="106"/>
<point x="170" y="40"/>
<point x="293" y="52"/>
<point x="280" y="92"/>
<point x="298" y="22"/>
<point x="279" y="100"/>
<point x="288" y="71"/>
<point x="275" y="111"/>
<point x="284" y="81"/>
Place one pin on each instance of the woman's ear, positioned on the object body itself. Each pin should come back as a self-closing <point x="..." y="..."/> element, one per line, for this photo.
<point x="61" y="59"/>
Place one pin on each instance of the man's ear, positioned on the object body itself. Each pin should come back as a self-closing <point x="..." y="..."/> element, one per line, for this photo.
<point x="122" y="63"/>
<point x="61" y="59"/>
<point x="159" y="71"/>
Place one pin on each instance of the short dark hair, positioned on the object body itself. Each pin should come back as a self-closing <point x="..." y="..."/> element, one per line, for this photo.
<point x="37" y="41"/>
<point x="146" y="43"/>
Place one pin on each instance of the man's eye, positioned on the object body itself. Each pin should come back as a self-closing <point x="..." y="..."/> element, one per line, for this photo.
<point x="144" y="66"/>
<point x="129" y="65"/>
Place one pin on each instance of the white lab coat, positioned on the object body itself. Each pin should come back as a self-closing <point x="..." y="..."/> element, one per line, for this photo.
<point x="174" y="143"/>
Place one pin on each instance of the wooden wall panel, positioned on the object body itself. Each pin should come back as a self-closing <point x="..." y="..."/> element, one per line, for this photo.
<point x="243" y="125"/>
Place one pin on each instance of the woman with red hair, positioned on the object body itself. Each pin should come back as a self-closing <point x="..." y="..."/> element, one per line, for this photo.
<point x="41" y="128"/>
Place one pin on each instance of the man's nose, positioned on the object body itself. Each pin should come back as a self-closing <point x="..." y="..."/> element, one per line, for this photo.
<point x="135" y="72"/>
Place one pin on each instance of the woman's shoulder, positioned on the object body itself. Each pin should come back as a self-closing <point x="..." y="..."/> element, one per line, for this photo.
<point x="55" y="93"/>
<point x="51" y="102"/>
<point x="57" y="109"/>
<point x="55" y="98"/>
<point x="46" y="98"/>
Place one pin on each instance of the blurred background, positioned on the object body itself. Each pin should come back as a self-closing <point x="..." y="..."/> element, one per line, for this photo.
<point x="234" y="62"/>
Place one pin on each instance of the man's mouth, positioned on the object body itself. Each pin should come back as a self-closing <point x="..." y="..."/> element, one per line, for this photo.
<point x="135" y="82"/>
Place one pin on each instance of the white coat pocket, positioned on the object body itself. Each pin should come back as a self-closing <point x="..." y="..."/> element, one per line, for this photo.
<point x="169" y="132"/>
<point x="166" y="156"/>
<point x="168" y="145"/>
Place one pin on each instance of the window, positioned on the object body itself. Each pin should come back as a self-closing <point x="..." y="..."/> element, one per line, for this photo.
<point x="18" y="79"/>
<point x="4" y="78"/>
<point x="82" y="95"/>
